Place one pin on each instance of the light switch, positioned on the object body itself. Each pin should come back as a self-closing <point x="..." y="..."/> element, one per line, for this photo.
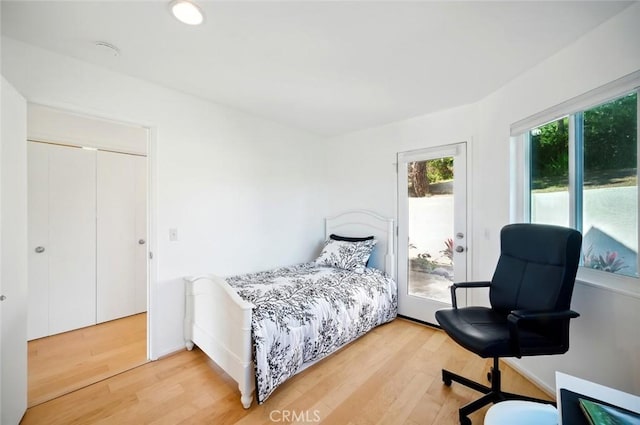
<point x="173" y="235"/>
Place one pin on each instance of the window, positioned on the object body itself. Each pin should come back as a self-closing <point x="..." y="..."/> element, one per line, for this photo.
<point x="581" y="170"/>
<point x="549" y="173"/>
<point x="609" y="198"/>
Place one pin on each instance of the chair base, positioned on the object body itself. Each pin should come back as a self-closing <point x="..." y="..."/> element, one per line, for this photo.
<point x="493" y="394"/>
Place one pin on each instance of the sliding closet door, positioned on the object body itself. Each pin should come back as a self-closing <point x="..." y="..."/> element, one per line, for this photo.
<point x="119" y="280"/>
<point x="72" y="238"/>
<point x="141" y="234"/>
<point x="38" y="240"/>
<point x="87" y="237"/>
<point x="61" y="239"/>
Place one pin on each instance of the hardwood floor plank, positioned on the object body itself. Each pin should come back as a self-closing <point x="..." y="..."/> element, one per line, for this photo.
<point x="63" y="363"/>
<point x="425" y="410"/>
<point x="391" y="376"/>
<point x="405" y="401"/>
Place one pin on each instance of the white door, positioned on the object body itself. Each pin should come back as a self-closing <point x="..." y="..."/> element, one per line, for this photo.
<point x="62" y="238"/>
<point x="72" y="238"/>
<point x="432" y="234"/>
<point x="121" y="218"/>
<point x="13" y="258"/>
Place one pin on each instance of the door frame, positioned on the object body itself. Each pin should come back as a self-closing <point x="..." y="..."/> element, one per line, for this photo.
<point x="426" y="153"/>
<point x="151" y="191"/>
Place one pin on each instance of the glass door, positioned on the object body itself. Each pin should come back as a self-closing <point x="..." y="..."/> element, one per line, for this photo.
<point x="432" y="239"/>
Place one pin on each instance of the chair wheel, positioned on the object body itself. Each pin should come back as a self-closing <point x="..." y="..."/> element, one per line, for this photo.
<point x="446" y="379"/>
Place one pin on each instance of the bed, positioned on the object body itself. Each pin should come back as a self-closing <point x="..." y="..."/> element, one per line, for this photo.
<point x="262" y="328"/>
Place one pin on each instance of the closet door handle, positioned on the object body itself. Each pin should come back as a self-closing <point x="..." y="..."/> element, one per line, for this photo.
<point x="141" y="241"/>
<point x="39" y="249"/>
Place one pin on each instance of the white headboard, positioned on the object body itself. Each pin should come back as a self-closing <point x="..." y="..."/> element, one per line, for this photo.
<point x="362" y="223"/>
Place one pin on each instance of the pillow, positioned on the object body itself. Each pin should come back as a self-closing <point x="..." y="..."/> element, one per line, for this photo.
<point x="346" y="255"/>
<point x="349" y="239"/>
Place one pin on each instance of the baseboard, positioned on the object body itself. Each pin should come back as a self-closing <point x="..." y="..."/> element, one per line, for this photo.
<point x="169" y="352"/>
<point x="541" y="385"/>
<point x="411" y="319"/>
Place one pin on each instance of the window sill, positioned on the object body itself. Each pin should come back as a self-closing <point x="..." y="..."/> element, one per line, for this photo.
<point x="611" y="282"/>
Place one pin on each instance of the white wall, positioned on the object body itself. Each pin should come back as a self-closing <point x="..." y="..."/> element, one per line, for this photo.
<point x="361" y="166"/>
<point x="244" y="193"/>
<point x="605" y="346"/>
<point x="604" y="341"/>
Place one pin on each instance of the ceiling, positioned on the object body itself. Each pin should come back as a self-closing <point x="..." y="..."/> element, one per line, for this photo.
<point x="329" y="67"/>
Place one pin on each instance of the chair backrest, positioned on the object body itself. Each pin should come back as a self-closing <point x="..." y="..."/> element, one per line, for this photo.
<point x="536" y="269"/>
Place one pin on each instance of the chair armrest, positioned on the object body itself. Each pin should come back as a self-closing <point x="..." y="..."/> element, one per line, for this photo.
<point x="517" y="316"/>
<point x="551" y="315"/>
<point x="453" y="287"/>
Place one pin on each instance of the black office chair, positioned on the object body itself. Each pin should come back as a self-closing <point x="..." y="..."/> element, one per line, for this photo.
<point x="530" y="296"/>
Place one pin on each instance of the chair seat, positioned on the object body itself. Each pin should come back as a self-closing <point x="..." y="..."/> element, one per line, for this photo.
<point x="484" y="331"/>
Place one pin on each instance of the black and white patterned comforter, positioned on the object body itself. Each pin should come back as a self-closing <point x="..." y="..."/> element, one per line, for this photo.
<point x="305" y="312"/>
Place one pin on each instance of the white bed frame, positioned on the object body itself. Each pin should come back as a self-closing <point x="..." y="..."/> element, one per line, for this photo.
<point x="218" y="321"/>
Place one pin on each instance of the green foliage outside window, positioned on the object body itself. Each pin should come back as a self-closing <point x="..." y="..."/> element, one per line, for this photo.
<point x="422" y="174"/>
<point x="610" y="153"/>
<point x="611" y="132"/>
<point x="550" y="150"/>
<point x="440" y="169"/>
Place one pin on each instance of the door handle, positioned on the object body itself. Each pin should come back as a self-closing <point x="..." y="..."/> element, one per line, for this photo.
<point x="459" y="248"/>
<point x="141" y="241"/>
<point x="2" y="298"/>
<point x="39" y="249"/>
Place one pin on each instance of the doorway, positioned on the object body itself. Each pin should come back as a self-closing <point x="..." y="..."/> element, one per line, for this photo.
<point x="432" y="229"/>
<point x="88" y="191"/>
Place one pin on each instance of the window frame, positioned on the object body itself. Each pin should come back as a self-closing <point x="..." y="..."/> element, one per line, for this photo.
<point x="521" y="172"/>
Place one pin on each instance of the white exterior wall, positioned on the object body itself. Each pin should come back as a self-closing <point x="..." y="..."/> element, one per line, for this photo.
<point x="244" y="193"/>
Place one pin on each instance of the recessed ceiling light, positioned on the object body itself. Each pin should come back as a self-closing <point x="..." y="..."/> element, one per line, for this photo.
<point x="187" y="12"/>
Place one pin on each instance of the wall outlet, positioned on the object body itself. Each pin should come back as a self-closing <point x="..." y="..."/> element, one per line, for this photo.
<point x="173" y="235"/>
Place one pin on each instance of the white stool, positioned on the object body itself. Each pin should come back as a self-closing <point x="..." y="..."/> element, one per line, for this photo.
<point x="517" y="412"/>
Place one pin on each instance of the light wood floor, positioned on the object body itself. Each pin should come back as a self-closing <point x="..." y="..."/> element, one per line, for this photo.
<point x="390" y="376"/>
<point x="65" y="362"/>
